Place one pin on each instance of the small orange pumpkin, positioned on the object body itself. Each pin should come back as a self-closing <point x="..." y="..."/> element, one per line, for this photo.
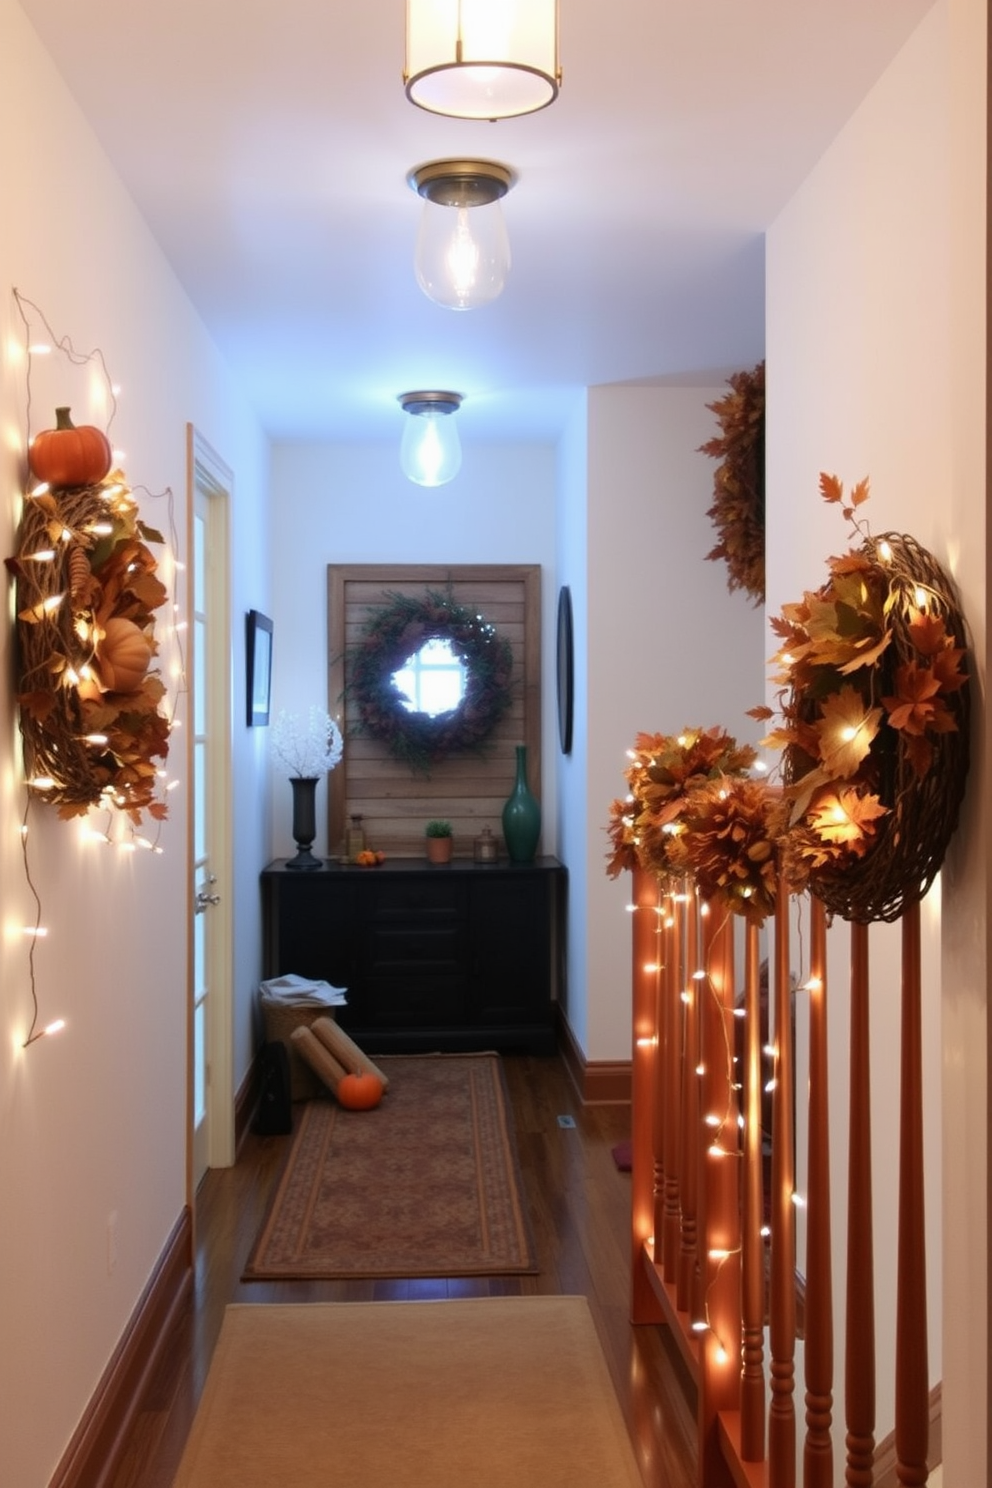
<point x="360" y="1091"/>
<point x="123" y="656"/>
<point x="67" y="456"/>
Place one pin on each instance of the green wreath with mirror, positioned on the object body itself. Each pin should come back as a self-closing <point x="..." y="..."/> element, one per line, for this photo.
<point x="429" y="678"/>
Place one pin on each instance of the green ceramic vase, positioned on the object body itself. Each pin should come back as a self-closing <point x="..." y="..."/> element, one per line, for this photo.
<point x="521" y="816"/>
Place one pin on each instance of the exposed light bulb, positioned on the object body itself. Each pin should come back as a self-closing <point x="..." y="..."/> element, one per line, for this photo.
<point x="463" y="252"/>
<point x="430" y="450"/>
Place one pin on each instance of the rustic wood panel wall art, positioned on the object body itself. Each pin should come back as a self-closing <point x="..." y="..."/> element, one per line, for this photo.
<point x="468" y="788"/>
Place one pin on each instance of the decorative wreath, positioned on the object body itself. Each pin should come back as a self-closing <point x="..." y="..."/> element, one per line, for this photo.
<point x="397" y="631"/>
<point x="875" y="713"/>
<point x="89" y="700"/>
<point x="738" y="510"/>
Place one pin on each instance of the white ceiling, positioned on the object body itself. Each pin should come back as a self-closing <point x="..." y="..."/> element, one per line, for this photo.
<point x="267" y="144"/>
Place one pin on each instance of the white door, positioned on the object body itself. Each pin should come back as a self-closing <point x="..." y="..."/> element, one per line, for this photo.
<point x="211" y="1102"/>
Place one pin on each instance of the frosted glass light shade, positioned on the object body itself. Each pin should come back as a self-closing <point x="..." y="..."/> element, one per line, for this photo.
<point x="430" y="450"/>
<point x="482" y="59"/>
<point x="462" y="255"/>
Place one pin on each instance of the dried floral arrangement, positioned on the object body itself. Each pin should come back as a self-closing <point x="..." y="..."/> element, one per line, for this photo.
<point x="665" y="771"/>
<point x="874" y="707"/>
<point x="395" y="632"/>
<point x="88" y="696"/>
<point x="309" y="747"/>
<point x="738" y="510"/>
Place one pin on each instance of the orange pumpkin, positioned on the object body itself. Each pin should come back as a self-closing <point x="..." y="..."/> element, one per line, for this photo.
<point x="123" y="656"/>
<point x="360" y="1091"/>
<point x="67" y="456"/>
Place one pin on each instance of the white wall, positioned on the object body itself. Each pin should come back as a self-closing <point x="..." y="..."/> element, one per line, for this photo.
<point x="573" y="804"/>
<point x="667" y="646"/>
<point x="862" y="372"/>
<point x="336" y="503"/>
<point x="94" y="1121"/>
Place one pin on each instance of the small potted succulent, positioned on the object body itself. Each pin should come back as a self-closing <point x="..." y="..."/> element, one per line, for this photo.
<point x="439" y="841"/>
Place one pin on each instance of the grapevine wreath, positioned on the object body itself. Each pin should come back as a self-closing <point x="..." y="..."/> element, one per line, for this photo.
<point x="87" y="589"/>
<point x="874" y="722"/>
<point x="394" y="633"/>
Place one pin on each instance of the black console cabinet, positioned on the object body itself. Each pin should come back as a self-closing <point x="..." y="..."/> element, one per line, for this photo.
<point x="464" y="956"/>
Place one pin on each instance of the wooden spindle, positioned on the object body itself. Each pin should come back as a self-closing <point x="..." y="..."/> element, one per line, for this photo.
<point x="646" y="899"/>
<point x="752" y="1241"/>
<point x="689" y="1132"/>
<point x="707" y="927"/>
<point x="912" y="1367"/>
<point x="720" y="1260"/>
<point x="672" y="1092"/>
<point x="818" y="1453"/>
<point x="859" y="1359"/>
<point x="665" y="952"/>
<point x="782" y="1310"/>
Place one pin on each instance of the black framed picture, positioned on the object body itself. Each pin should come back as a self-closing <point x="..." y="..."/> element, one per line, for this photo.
<point x="566" y="669"/>
<point x="259" y="666"/>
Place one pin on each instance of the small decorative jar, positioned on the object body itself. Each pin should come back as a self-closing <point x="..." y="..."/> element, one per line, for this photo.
<point x="486" y="848"/>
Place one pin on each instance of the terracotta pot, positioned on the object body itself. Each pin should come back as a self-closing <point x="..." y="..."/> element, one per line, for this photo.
<point x="439" y="849"/>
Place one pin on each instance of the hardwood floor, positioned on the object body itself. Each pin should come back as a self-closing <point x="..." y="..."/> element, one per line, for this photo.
<point x="579" y="1206"/>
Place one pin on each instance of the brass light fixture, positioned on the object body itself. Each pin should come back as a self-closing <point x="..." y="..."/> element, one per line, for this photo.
<point x="482" y="59"/>
<point x="463" y="253"/>
<point x="430" y="450"/>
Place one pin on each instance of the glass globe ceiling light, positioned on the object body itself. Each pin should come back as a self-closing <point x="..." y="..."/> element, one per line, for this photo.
<point x="430" y="450"/>
<point x="482" y="59"/>
<point x="463" y="253"/>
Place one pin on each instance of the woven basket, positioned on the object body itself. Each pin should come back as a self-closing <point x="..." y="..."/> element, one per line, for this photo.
<point x="923" y="812"/>
<point x="281" y="1018"/>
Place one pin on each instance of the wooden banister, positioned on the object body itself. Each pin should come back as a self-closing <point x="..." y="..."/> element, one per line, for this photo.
<point x="912" y="1366"/>
<point x="752" y="1215"/>
<point x="818" y="1454"/>
<point x="782" y="1309"/>
<point x="859" y="1364"/>
<point x="689" y="1159"/>
<point x="646" y="900"/>
<point x="671" y="1095"/>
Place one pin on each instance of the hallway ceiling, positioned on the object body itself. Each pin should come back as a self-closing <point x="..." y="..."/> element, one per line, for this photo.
<point x="267" y="145"/>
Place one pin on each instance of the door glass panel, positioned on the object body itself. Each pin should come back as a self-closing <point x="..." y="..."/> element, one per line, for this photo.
<point x="199" y="799"/>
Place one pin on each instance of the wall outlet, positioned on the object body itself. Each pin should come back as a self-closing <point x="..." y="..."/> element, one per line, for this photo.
<point x="112" y="1242"/>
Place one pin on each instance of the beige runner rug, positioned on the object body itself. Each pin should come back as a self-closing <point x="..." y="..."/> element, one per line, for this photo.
<point x="427" y="1184"/>
<point x="482" y="1393"/>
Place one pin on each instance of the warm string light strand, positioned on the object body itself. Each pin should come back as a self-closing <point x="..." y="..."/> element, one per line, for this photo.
<point x="131" y="839"/>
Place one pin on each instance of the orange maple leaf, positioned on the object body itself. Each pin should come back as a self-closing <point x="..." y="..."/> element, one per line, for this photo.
<point x="831" y="488"/>
<point x="845" y="816"/>
<point x="846" y="730"/>
<point x="912" y="707"/>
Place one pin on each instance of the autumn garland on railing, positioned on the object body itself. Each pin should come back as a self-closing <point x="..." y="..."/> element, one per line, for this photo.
<point x="693" y="810"/>
<point x="874" y="707"/>
<point x="89" y="701"/>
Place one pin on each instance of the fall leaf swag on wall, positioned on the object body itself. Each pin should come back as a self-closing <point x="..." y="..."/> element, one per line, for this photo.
<point x="738" y="510"/>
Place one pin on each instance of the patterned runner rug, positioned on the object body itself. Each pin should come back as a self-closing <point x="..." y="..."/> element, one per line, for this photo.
<point x="427" y="1184"/>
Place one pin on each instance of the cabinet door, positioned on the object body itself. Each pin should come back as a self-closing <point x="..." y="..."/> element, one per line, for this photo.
<point x="512" y="929"/>
<point x="415" y="953"/>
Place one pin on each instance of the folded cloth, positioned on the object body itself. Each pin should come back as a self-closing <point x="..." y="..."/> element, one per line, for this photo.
<point x="302" y="991"/>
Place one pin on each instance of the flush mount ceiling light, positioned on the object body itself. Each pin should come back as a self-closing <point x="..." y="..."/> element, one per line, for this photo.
<point x="482" y="59"/>
<point x="463" y="253"/>
<point x="430" y="451"/>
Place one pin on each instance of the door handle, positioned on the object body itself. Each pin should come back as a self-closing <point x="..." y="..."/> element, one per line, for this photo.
<point x="204" y="899"/>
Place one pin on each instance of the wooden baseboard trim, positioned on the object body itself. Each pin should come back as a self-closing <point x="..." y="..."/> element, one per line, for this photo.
<point x="885" y="1452"/>
<point x="97" y="1444"/>
<point x="598" y="1082"/>
<point x="245" y="1101"/>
